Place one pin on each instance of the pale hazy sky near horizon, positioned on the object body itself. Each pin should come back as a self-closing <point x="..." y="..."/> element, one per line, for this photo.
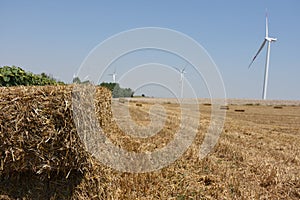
<point x="55" y="37"/>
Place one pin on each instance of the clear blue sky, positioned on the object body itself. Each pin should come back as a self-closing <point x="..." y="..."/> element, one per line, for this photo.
<point x="55" y="36"/>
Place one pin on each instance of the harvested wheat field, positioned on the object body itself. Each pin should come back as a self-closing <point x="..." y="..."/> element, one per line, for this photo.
<point x="42" y="157"/>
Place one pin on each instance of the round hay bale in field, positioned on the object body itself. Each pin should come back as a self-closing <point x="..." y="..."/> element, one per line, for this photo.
<point x="37" y="131"/>
<point x="239" y="110"/>
<point x="224" y="107"/>
<point x="278" y="107"/>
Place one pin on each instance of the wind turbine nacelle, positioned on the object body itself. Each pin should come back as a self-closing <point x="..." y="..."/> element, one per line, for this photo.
<point x="274" y="39"/>
<point x="271" y="39"/>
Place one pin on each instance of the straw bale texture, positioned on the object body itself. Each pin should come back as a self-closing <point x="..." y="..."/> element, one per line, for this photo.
<point x="37" y="131"/>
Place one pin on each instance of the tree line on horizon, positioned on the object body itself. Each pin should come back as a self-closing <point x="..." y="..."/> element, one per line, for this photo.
<point x="115" y="88"/>
<point x="16" y="76"/>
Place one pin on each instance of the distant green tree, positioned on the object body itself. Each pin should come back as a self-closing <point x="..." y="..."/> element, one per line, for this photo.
<point x="76" y="80"/>
<point x="117" y="91"/>
<point x="110" y="86"/>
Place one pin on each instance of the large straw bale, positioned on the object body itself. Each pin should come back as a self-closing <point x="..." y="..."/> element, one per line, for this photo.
<point x="37" y="131"/>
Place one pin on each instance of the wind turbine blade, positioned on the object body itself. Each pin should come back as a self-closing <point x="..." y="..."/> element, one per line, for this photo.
<point x="267" y="28"/>
<point x="177" y="69"/>
<point x="185" y="66"/>
<point x="261" y="47"/>
<point x="86" y="78"/>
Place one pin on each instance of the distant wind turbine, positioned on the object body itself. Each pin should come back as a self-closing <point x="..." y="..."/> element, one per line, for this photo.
<point x="269" y="40"/>
<point x="182" y="72"/>
<point x="113" y="75"/>
<point x="75" y="79"/>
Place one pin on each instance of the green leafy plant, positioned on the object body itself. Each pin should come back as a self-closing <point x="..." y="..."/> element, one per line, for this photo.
<point x="14" y="76"/>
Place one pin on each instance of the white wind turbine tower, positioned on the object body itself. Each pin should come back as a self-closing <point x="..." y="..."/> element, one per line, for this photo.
<point x="113" y="75"/>
<point x="182" y="72"/>
<point x="269" y="40"/>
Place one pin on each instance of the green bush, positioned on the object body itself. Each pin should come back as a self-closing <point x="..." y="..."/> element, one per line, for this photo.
<point x="14" y="76"/>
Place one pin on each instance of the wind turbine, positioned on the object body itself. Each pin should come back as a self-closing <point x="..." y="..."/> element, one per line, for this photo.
<point x="269" y="40"/>
<point x="182" y="72"/>
<point x="113" y="75"/>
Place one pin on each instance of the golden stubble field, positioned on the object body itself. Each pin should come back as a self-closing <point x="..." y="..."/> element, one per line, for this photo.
<point x="257" y="155"/>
